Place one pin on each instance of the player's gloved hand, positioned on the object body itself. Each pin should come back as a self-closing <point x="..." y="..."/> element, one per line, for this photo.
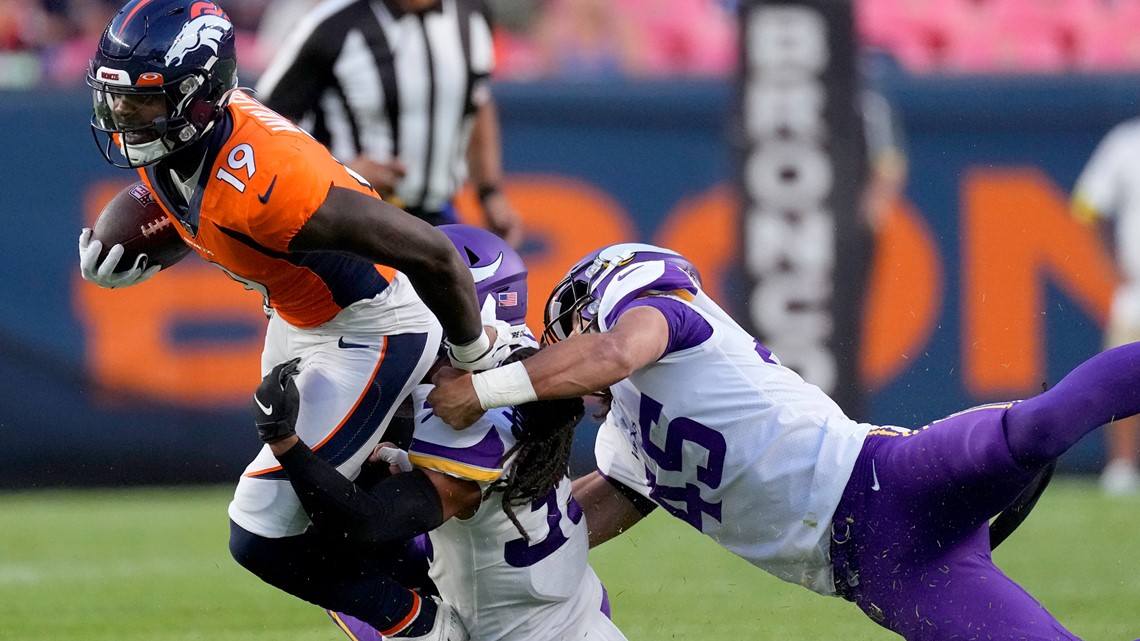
<point x="448" y="626"/>
<point x="482" y="353"/>
<point x="276" y="403"/>
<point x="103" y="274"/>
<point x="392" y="455"/>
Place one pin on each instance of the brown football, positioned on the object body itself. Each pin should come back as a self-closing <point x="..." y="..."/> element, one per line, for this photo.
<point x="135" y="220"/>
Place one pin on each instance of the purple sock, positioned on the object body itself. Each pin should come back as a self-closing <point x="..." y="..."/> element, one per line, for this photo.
<point x="1104" y="388"/>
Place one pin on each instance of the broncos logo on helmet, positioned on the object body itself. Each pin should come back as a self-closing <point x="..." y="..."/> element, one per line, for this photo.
<point x="204" y="31"/>
<point x="159" y="78"/>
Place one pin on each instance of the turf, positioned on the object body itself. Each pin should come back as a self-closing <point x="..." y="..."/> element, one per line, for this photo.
<point x="152" y="564"/>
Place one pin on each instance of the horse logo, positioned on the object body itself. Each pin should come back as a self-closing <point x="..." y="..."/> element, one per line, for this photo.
<point x="203" y="31"/>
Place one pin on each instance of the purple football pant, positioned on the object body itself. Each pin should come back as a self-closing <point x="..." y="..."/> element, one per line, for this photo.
<point x="911" y="535"/>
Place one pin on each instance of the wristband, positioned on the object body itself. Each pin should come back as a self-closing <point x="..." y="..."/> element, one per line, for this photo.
<point x="470" y="352"/>
<point x="503" y="386"/>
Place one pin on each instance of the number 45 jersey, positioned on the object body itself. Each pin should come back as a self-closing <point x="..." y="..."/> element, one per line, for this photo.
<point x="722" y="436"/>
<point x="505" y="587"/>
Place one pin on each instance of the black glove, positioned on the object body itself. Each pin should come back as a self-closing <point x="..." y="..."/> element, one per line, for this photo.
<point x="276" y="402"/>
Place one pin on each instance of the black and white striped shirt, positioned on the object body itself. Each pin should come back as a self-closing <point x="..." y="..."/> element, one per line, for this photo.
<point x="366" y="77"/>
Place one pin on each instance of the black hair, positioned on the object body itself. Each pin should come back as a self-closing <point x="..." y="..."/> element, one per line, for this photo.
<point x="543" y="431"/>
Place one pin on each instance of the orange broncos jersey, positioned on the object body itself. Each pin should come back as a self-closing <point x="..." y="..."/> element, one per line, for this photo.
<point x="262" y="180"/>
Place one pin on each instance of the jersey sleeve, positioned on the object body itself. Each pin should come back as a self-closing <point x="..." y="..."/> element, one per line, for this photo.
<point x="269" y="178"/>
<point x="638" y="280"/>
<point x="475" y="453"/>
<point x="687" y="328"/>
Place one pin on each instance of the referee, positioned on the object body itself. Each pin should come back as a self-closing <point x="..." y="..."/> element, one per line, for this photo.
<point x="399" y="90"/>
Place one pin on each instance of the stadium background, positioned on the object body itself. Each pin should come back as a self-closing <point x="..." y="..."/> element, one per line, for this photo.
<point x="984" y="288"/>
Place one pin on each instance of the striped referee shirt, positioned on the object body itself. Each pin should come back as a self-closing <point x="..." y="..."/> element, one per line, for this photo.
<point x="367" y="78"/>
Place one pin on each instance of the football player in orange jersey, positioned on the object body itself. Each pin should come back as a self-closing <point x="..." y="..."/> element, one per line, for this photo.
<point x="357" y="289"/>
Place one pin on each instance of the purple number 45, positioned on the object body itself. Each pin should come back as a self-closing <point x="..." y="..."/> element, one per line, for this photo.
<point x="684" y="502"/>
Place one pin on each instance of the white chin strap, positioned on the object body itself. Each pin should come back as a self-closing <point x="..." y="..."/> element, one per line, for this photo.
<point x="145" y="153"/>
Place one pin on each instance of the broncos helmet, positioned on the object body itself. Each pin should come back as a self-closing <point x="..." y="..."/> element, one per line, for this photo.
<point x="159" y="77"/>
<point x="574" y="302"/>
<point x="498" y="270"/>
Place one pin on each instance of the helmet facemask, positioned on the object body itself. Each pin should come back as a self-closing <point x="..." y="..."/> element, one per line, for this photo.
<point x="136" y="126"/>
<point x="160" y="78"/>
<point x="569" y="310"/>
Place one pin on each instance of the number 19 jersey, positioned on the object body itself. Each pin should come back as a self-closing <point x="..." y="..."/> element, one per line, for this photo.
<point x="262" y="179"/>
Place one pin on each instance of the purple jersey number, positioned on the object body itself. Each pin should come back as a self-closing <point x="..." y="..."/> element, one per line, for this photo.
<point x="520" y="554"/>
<point x="685" y="503"/>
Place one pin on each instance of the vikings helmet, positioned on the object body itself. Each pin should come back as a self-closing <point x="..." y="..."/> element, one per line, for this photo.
<point x="498" y="271"/>
<point x="159" y="77"/>
<point x="574" y="302"/>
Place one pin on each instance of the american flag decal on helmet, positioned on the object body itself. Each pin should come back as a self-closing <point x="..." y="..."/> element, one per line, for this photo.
<point x="508" y="299"/>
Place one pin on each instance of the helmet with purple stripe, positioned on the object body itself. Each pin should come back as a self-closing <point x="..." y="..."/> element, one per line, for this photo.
<point x="574" y="302"/>
<point x="498" y="270"/>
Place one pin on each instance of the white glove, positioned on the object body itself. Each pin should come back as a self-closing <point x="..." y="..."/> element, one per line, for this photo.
<point x="448" y="626"/>
<point x="481" y="354"/>
<point x="393" y="456"/>
<point x="104" y="274"/>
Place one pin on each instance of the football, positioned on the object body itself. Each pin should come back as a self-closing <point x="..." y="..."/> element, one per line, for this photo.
<point x="134" y="219"/>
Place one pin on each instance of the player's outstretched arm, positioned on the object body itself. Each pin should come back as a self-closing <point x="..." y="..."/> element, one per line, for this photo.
<point x="396" y="508"/>
<point x="609" y="510"/>
<point x="358" y="223"/>
<point x="588" y="363"/>
<point x="580" y="365"/>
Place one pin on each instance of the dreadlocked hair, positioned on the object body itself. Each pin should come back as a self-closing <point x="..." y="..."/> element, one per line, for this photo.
<point x="543" y="431"/>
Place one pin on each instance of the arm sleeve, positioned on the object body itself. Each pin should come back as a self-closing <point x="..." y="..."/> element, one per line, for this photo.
<point x="396" y="508"/>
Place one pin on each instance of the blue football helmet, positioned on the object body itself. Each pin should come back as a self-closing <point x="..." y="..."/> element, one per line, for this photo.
<point x="159" y="78"/>
<point x="498" y="271"/>
<point x="573" y="303"/>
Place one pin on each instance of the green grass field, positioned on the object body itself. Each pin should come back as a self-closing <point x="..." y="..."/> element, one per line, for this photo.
<point x="152" y="564"/>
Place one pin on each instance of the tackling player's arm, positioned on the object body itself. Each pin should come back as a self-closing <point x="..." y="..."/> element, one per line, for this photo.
<point x="398" y="507"/>
<point x="586" y="363"/>
<point x="580" y="365"/>
<point x="610" y="507"/>
<point x="352" y="221"/>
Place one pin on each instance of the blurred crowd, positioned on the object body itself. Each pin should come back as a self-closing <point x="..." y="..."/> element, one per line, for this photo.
<point x="45" y="42"/>
<point x="50" y="41"/>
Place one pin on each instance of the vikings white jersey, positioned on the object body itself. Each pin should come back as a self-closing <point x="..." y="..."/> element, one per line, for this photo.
<point x="728" y="439"/>
<point x="504" y="586"/>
